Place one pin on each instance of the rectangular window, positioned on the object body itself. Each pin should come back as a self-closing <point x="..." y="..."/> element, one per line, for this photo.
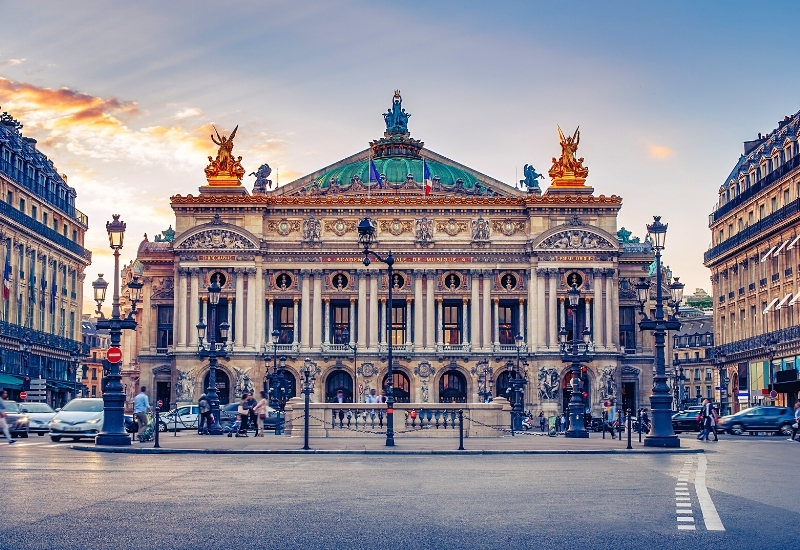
<point x="10" y="197"/>
<point x="164" y="327"/>
<point x="774" y="204"/>
<point x="284" y="322"/>
<point x="71" y="325"/>
<point x="507" y="324"/>
<point x="627" y="328"/>
<point x="340" y="320"/>
<point x="786" y="197"/>
<point x="451" y="325"/>
<point x="708" y="375"/>
<point x="55" y="224"/>
<point x="697" y="374"/>
<point x="34" y="212"/>
<point x="398" y="324"/>
<point x="64" y="231"/>
<point x="74" y="236"/>
<point x="762" y="211"/>
<point x="72" y="277"/>
<point x="44" y="218"/>
<point x="94" y="374"/>
<point x="22" y="205"/>
<point x="750" y="218"/>
<point x="94" y="391"/>
<point x="62" y="322"/>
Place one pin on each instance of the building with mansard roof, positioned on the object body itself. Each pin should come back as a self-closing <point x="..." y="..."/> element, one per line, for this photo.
<point x="478" y="262"/>
<point x="43" y="255"/>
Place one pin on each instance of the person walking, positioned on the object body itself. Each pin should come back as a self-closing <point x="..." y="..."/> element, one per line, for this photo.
<point x="563" y="423"/>
<point x="706" y="418"/>
<point x="796" y="420"/>
<point x="244" y="414"/>
<point x="542" y="421"/>
<point x="204" y="425"/>
<point x="3" y="423"/>
<point x="261" y="409"/>
<point x="714" y="420"/>
<point x="141" y="406"/>
<point x="252" y="415"/>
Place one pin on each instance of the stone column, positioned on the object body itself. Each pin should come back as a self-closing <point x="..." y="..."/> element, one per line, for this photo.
<point x="326" y="337"/>
<point x="521" y="320"/>
<point x="552" y="300"/>
<point x="541" y="323"/>
<point x="305" y="314"/>
<point x="374" y="322"/>
<point x="383" y="321"/>
<point x="239" y="330"/>
<point x="475" y="328"/>
<point x="316" y="324"/>
<point x="487" y="310"/>
<point x="532" y="338"/>
<point x="408" y="321"/>
<point x="230" y="317"/>
<point x="418" y="344"/>
<point x="496" y="327"/>
<point x="147" y="315"/>
<point x="562" y="315"/>
<point x="194" y="305"/>
<point x="464" y="320"/>
<point x="587" y="301"/>
<point x="430" y="311"/>
<point x="352" y="327"/>
<point x="271" y="320"/>
<point x="609" y="307"/>
<point x="296" y="323"/>
<point x="614" y="285"/>
<point x="439" y="331"/>
<point x="597" y="328"/>
<point x="248" y="275"/>
<point x="180" y="314"/>
<point x="258" y="300"/>
<point x="362" y="311"/>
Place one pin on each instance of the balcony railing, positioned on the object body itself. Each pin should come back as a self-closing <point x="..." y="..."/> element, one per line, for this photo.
<point x="40" y="228"/>
<point x="453" y="348"/>
<point x="336" y="348"/>
<point x="402" y="348"/>
<point x="41" y="191"/>
<point x="690" y="361"/>
<point x="754" y="230"/>
<point x="782" y="336"/>
<point x="282" y="348"/>
<point x="44" y="339"/>
<point x="509" y="348"/>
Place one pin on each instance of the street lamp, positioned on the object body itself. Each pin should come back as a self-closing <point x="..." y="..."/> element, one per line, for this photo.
<point x="719" y="361"/>
<point x="661" y="434"/>
<point x="354" y="348"/>
<point x="367" y="231"/>
<point x="575" y="352"/>
<point x="276" y="334"/>
<point x="485" y="381"/>
<point x="517" y="383"/>
<point x="113" y="393"/>
<point x="770" y="347"/>
<point x="277" y="391"/>
<point x="72" y="371"/>
<point x="308" y="389"/>
<point x="25" y="346"/>
<point x="212" y="351"/>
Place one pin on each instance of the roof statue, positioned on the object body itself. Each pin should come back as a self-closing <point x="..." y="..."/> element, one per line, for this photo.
<point x="225" y="170"/>
<point x="167" y="236"/>
<point x="531" y="178"/>
<point x="396" y="118"/>
<point x="262" y="183"/>
<point x="624" y="236"/>
<point x="568" y="171"/>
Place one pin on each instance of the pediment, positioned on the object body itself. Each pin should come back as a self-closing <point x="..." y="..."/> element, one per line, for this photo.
<point x="576" y="236"/>
<point x="217" y="235"/>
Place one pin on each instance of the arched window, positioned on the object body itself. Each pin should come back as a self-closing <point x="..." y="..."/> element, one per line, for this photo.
<point x="452" y="387"/>
<point x="339" y="380"/>
<point x="502" y="385"/>
<point x="223" y="386"/>
<point x="401" y="387"/>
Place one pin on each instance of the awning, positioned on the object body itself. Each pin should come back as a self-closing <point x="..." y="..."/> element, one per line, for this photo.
<point x="778" y="250"/>
<point x="769" y="305"/>
<point x="785" y="298"/>
<point x="794" y="242"/>
<point x="787" y="387"/>
<point x="795" y="299"/>
<point x="770" y="251"/>
<point x="8" y="381"/>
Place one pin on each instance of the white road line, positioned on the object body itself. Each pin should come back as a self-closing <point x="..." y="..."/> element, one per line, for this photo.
<point x="710" y="515"/>
<point x="682" y="519"/>
<point x="686" y="527"/>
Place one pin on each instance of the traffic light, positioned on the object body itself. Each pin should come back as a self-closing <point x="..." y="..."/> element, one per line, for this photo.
<point x="26" y="384"/>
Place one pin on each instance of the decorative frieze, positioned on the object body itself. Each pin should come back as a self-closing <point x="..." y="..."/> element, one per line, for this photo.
<point x="396" y="226"/>
<point x="508" y="226"/>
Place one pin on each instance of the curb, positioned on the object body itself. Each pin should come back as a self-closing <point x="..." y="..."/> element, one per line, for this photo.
<point x="160" y="451"/>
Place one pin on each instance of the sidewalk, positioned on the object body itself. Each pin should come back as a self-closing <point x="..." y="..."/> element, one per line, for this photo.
<point x="191" y="443"/>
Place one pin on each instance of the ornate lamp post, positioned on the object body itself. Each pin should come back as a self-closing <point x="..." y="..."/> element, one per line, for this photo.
<point x="517" y="383"/>
<point x="72" y="371"/>
<point x="308" y="389"/>
<point x="661" y="435"/>
<point x="485" y="381"/>
<point x="719" y="361"/>
<point x="354" y="348"/>
<point x="367" y="231"/>
<point x="113" y="394"/>
<point x="25" y="346"/>
<point x="575" y="352"/>
<point x="770" y="347"/>
<point x="213" y="351"/>
<point x="277" y="390"/>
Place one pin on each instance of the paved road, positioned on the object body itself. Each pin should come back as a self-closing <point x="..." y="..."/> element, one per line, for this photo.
<point x="59" y="498"/>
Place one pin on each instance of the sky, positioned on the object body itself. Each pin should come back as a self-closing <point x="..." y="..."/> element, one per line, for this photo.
<point x="122" y="95"/>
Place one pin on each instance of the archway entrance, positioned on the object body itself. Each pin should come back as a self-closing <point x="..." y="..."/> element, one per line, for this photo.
<point x="583" y="385"/>
<point x="223" y="386"/>
<point x="452" y="387"/>
<point x="501" y="388"/>
<point x="401" y="387"/>
<point x="339" y="380"/>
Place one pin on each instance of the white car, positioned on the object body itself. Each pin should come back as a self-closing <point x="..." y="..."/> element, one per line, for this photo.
<point x="186" y="420"/>
<point x="80" y="418"/>
<point x="40" y="415"/>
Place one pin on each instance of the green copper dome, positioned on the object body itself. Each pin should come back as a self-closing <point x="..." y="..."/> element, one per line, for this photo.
<point x="396" y="170"/>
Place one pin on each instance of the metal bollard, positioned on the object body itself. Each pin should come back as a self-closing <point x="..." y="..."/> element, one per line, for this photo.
<point x="629" y="430"/>
<point x="175" y="430"/>
<point x="460" y="430"/>
<point x="157" y="428"/>
<point x="640" y="425"/>
<point x="603" y="420"/>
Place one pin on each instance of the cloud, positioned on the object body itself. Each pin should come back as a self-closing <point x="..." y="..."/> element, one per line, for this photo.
<point x="12" y="62"/>
<point x="660" y="152"/>
<point x="187" y="113"/>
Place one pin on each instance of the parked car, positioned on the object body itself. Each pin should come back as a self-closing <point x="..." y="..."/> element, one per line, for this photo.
<point x="228" y="415"/>
<point x="16" y="419"/>
<point x="80" y="418"/>
<point x="759" y="419"/>
<point x="186" y="419"/>
<point x="685" y="421"/>
<point x="39" y="415"/>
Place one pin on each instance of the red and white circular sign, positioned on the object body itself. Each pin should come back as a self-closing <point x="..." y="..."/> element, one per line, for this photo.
<point x="23" y="395"/>
<point x="114" y="355"/>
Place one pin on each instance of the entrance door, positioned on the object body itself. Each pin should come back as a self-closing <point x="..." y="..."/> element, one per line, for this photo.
<point x="223" y="386"/>
<point x="163" y="394"/>
<point x="629" y="396"/>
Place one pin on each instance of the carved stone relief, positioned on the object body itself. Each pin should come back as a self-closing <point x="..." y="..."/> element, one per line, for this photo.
<point x="340" y="226"/>
<point x="452" y="226"/>
<point x="576" y="239"/>
<point x="283" y="227"/>
<point x="396" y="226"/>
<point x="216" y="239"/>
<point x="508" y="227"/>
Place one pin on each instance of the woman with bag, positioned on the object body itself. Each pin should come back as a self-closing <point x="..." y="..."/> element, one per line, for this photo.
<point x="261" y="410"/>
<point x="244" y="413"/>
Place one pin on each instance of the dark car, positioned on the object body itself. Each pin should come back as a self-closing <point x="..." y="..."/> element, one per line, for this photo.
<point x="685" y="421"/>
<point x="16" y="419"/>
<point x="759" y="419"/>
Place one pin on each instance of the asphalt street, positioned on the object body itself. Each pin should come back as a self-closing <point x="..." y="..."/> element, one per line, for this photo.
<point x="56" y="497"/>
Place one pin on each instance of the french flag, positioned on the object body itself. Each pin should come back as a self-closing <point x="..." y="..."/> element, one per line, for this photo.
<point x="426" y="175"/>
<point x="7" y="280"/>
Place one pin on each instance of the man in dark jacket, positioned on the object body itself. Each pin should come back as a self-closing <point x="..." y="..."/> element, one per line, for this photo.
<point x="203" y="426"/>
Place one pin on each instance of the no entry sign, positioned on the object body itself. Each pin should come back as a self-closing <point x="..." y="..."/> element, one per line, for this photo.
<point x="114" y="355"/>
<point x="23" y="395"/>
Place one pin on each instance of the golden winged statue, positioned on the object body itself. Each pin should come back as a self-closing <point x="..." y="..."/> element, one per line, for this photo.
<point x="568" y="167"/>
<point x="225" y="165"/>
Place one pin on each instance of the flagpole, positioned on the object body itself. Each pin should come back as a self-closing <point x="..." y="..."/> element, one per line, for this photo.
<point x="369" y="173"/>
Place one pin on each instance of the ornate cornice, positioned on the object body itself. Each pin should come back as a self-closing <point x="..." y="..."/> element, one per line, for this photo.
<point x="339" y="200"/>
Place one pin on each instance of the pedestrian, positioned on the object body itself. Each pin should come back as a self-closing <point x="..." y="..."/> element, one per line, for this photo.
<point x="371" y="397"/>
<point x="796" y="420"/>
<point x="645" y="421"/>
<point x="141" y="406"/>
<point x="714" y="420"/>
<point x="252" y="415"/>
<point x="339" y="397"/>
<point x="204" y="425"/>
<point x="706" y="417"/>
<point x="562" y="421"/>
<point x="3" y="423"/>
<point x="261" y="409"/>
<point x="542" y="421"/>
<point x="244" y="414"/>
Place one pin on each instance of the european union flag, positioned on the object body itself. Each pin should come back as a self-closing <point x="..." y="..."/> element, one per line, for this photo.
<point x="374" y="174"/>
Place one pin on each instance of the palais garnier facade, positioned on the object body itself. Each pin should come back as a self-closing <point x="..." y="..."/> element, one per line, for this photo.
<point x="481" y="275"/>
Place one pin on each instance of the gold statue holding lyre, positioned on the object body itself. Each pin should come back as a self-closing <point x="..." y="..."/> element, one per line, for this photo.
<point x="568" y="171"/>
<point x="225" y="167"/>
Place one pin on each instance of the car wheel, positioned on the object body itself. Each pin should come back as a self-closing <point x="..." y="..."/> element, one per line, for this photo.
<point x="737" y="429"/>
<point x="785" y="429"/>
<point x="41" y="434"/>
<point x="677" y="432"/>
<point x="162" y="427"/>
<point x="24" y="435"/>
<point x="55" y="438"/>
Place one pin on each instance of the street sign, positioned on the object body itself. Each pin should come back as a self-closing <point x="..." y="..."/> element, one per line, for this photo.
<point x="719" y="388"/>
<point x="114" y="355"/>
<point x="38" y="384"/>
<point x="773" y="394"/>
<point x="23" y="395"/>
<point x="160" y="403"/>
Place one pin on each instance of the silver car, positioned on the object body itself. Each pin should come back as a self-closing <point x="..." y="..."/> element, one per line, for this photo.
<point x="80" y="418"/>
<point x="40" y="415"/>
